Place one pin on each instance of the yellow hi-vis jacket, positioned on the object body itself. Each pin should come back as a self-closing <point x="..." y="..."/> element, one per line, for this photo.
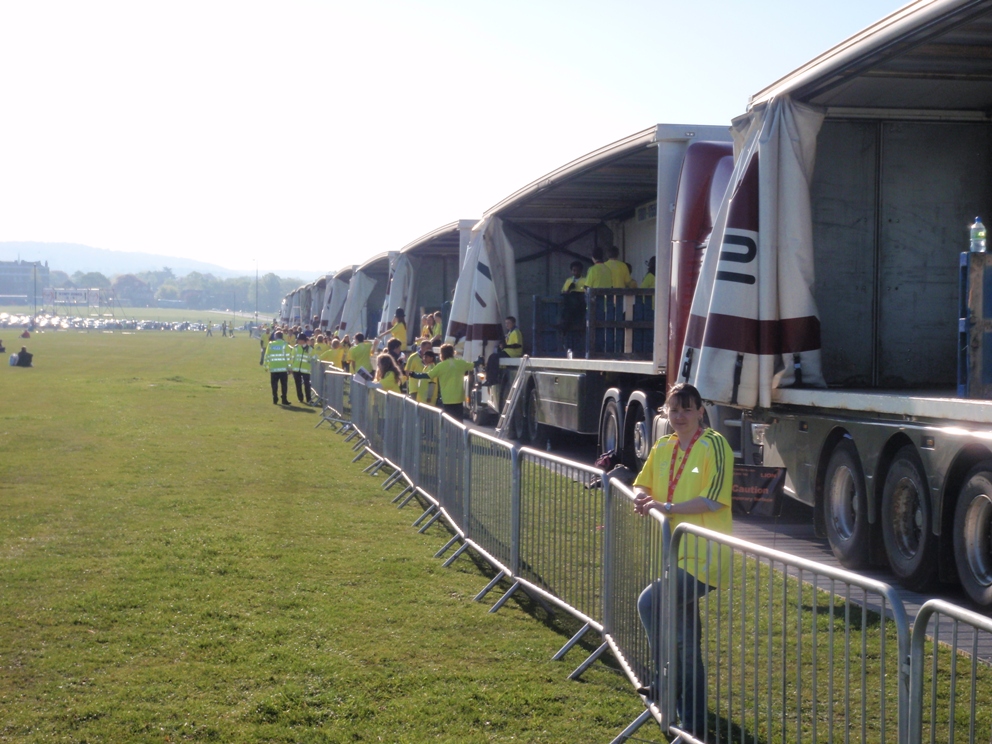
<point x="277" y="356"/>
<point x="299" y="359"/>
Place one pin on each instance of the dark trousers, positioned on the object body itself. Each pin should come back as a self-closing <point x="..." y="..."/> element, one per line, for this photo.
<point x="278" y="378"/>
<point x="455" y="410"/>
<point x="689" y="672"/>
<point x="302" y="380"/>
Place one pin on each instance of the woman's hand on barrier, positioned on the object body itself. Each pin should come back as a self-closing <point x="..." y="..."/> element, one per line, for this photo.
<point x="643" y="501"/>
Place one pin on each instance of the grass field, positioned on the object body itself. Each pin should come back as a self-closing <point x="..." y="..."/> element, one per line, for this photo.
<point x="164" y="314"/>
<point x="180" y="560"/>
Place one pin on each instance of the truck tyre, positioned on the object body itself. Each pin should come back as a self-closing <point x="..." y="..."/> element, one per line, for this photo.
<point x="609" y="427"/>
<point x="637" y="439"/>
<point x="845" y="506"/>
<point x="537" y="432"/>
<point x="907" y="522"/>
<point x="973" y="534"/>
<point x="476" y="412"/>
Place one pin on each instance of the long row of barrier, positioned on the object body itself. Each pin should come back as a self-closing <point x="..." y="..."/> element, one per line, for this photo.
<point x="784" y="649"/>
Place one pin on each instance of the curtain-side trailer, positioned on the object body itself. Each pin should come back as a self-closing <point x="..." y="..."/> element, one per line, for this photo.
<point x="832" y="317"/>
<point x="602" y="373"/>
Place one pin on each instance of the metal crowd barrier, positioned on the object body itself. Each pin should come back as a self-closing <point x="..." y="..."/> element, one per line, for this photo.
<point x="562" y="522"/>
<point x="633" y="552"/>
<point x="949" y="685"/>
<point x="792" y="650"/>
<point x="491" y="508"/>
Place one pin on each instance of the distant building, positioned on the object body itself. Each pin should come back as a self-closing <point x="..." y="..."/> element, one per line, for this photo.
<point x="22" y="282"/>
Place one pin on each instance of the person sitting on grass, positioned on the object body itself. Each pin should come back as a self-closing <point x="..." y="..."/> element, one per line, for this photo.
<point x="24" y="357"/>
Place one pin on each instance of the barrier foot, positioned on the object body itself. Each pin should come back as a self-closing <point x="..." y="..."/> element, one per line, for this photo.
<point x="447" y="545"/>
<point x="408" y="499"/>
<point x="360" y="443"/>
<point x="632" y="728"/>
<point x="572" y="641"/>
<point x="430" y="521"/>
<point x="351" y="435"/>
<point x="588" y="662"/>
<point x="346" y="426"/>
<point x="391" y="480"/>
<point x="377" y="463"/>
<point x="422" y="517"/>
<point x="360" y="455"/>
<point x="490" y="585"/>
<point x="502" y="600"/>
<point x="454" y="557"/>
<point x="403" y="493"/>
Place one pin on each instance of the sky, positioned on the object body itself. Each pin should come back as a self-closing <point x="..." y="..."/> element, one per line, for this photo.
<point x="313" y="134"/>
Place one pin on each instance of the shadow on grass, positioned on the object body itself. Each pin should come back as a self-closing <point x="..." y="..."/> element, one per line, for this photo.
<point x="300" y="408"/>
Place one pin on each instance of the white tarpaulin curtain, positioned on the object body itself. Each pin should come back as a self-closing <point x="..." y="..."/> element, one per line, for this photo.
<point x="486" y="291"/>
<point x="754" y="325"/>
<point x="354" y="314"/>
<point x="402" y="287"/>
<point x="337" y="291"/>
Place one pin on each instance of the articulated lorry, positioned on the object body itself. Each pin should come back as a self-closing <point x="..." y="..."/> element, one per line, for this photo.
<point x="811" y="283"/>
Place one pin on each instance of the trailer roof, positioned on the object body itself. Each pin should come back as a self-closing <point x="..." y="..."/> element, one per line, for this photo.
<point x="604" y="183"/>
<point x="931" y="55"/>
<point x="445" y="240"/>
<point x="379" y="262"/>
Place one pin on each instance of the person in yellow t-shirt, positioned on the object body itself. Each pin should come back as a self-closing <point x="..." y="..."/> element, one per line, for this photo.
<point x="388" y="374"/>
<point x="599" y="275"/>
<point x="450" y="373"/>
<point x="648" y="281"/>
<point x="334" y="355"/>
<point x="688" y="477"/>
<point x="574" y="283"/>
<point x="619" y="271"/>
<point x="360" y="354"/>
<point x="437" y="329"/>
<point x="398" y="328"/>
<point x="415" y="366"/>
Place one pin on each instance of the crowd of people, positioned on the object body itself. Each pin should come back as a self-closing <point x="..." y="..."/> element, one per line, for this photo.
<point x="428" y="371"/>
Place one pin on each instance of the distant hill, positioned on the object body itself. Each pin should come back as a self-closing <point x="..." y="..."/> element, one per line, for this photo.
<point x="73" y="257"/>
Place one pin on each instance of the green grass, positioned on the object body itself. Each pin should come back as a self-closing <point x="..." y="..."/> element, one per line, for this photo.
<point x="180" y="560"/>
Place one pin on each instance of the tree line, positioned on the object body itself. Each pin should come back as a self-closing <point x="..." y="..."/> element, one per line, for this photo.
<point x="194" y="290"/>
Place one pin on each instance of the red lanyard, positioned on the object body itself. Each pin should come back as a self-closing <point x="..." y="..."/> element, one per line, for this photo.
<point x="673" y="481"/>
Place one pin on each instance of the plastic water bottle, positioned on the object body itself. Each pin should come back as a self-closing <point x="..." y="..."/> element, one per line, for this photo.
<point x="978" y="243"/>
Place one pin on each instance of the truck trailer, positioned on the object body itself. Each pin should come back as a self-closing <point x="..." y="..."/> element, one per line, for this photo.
<point x="837" y="331"/>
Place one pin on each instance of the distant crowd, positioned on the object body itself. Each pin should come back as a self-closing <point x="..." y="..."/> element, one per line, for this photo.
<point x="428" y="371"/>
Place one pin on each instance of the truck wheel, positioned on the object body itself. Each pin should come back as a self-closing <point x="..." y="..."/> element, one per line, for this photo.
<point x="476" y="412"/>
<point x="609" y="427"/>
<point x="537" y="432"/>
<point x="907" y="522"/>
<point x="845" y="506"/>
<point x="973" y="534"/>
<point x="637" y="440"/>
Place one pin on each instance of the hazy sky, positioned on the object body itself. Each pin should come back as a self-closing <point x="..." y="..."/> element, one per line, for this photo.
<point x="314" y="134"/>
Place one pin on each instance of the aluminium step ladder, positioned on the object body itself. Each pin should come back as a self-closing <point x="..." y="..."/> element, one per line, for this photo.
<point x="516" y="389"/>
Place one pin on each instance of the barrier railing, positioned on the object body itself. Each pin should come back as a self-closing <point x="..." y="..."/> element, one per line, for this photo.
<point x="634" y="547"/>
<point x="561" y="531"/>
<point x="786" y="648"/>
<point x="781" y="649"/>
<point x="492" y="491"/>
<point x="949" y="685"/>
